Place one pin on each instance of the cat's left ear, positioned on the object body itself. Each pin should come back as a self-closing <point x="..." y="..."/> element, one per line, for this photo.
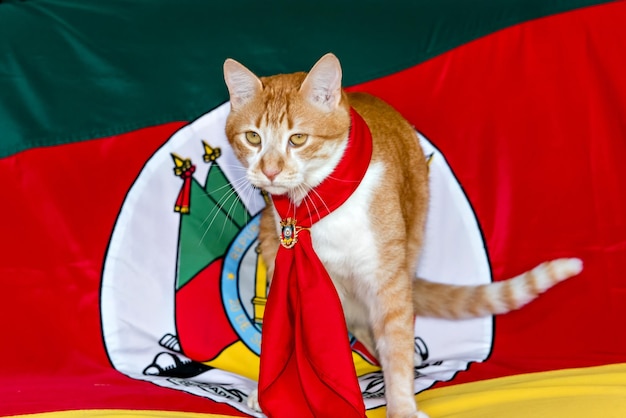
<point x="242" y="83"/>
<point x="322" y="85"/>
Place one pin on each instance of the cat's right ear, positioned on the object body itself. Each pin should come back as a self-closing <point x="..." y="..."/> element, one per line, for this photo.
<point x="242" y="83"/>
<point x="322" y="85"/>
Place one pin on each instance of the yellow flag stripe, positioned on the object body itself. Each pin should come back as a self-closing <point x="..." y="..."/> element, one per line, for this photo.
<point x="572" y="393"/>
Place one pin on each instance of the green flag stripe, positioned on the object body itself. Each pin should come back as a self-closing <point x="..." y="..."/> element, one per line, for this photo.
<point x="79" y="70"/>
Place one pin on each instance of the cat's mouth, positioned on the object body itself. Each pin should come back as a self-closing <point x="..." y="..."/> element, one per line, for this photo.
<point x="273" y="187"/>
<point x="293" y="186"/>
<point x="277" y="186"/>
<point x="276" y="190"/>
<point x="295" y="194"/>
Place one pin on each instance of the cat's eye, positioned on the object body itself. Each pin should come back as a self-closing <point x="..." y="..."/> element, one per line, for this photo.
<point x="253" y="138"/>
<point x="297" y="139"/>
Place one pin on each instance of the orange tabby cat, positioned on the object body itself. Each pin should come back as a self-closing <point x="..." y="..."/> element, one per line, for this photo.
<point x="290" y="131"/>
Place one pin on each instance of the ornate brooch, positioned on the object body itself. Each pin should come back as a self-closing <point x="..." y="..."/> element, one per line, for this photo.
<point x="289" y="232"/>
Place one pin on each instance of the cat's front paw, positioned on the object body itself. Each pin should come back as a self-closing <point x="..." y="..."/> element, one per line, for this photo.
<point x="253" y="401"/>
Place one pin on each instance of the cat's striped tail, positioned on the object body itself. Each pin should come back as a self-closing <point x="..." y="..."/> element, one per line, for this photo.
<point x="457" y="302"/>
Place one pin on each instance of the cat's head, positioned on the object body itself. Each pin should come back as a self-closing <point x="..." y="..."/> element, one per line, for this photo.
<point x="289" y="130"/>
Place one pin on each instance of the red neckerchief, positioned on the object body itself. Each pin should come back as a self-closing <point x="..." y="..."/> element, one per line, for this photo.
<point x="308" y="370"/>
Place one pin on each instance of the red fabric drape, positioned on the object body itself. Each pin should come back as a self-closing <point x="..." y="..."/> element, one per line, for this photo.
<point x="306" y="361"/>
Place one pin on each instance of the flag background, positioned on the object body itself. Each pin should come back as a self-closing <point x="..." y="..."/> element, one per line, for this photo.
<point x="526" y="100"/>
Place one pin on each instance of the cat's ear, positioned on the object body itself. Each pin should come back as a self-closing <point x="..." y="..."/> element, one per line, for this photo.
<point x="322" y="85"/>
<point x="242" y="83"/>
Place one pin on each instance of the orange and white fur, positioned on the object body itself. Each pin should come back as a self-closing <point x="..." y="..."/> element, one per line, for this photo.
<point x="290" y="131"/>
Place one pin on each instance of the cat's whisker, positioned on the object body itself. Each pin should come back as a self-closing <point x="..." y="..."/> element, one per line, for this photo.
<point x="219" y="207"/>
<point x="343" y="180"/>
<point x="237" y="182"/>
<point x="321" y="199"/>
<point x="216" y="211"/>
<point x="248" y="189"/>
<point x="306" y="203"/>
<point x="291" y="209"/>
<point x="232" y="208"/>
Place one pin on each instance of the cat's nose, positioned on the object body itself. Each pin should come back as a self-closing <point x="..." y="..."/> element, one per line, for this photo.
<point x="271" y="172"/>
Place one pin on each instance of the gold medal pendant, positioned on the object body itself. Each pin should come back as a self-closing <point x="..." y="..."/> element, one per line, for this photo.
<point x="289" y="232"/>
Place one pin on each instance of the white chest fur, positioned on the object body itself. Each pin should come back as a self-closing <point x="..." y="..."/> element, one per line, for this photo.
<point x="345" y="242"/>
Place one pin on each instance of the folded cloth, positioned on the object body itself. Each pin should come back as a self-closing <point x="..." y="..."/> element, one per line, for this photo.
<point x="306" y="362"/>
